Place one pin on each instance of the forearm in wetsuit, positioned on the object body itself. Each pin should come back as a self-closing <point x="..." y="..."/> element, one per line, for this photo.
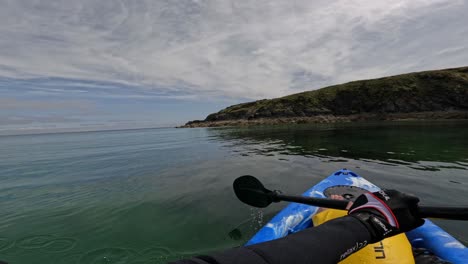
<point x="328" y="243"/>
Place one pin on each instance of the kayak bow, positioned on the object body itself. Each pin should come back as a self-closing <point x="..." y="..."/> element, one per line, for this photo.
<point x="296" y="217"/>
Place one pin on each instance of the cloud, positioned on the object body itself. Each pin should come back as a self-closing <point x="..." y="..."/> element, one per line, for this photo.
<point x="44" y="87"/>
<point x="28" y="120"/>
<point x="238" y="49"/>
<point x="38" y="105"/>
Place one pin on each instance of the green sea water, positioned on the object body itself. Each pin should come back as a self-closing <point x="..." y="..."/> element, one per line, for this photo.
<point x="153" y="195"/>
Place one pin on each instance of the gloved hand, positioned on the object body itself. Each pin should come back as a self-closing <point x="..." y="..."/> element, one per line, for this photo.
<point x="386" y="213"/>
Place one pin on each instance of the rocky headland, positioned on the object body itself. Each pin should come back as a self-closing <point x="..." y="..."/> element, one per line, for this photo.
<point x="439" y="94"/>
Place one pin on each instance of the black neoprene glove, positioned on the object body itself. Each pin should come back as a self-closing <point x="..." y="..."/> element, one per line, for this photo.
<point x="386" y="213"/>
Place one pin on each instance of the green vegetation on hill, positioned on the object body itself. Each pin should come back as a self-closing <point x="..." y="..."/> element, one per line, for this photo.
<point x="429" y="91"/>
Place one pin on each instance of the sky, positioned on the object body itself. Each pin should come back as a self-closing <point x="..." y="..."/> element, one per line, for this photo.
<point x="87" y="65"/>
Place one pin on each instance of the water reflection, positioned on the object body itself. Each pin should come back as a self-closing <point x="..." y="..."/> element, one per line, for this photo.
<point x="389" y="143"/>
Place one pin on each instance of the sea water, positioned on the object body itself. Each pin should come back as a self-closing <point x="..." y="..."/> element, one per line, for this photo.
<point x="153" y="195"/>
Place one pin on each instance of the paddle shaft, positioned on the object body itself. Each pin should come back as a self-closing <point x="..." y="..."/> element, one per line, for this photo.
<point x="252" y="192"/>
<point x="321" y="202"/>
<point x="453" y="213"/>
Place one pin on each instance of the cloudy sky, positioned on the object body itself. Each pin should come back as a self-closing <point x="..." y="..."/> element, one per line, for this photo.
<point x="88" y="64"/>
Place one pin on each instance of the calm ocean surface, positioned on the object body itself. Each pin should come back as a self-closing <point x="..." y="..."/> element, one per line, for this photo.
<point x="153" y="195"/>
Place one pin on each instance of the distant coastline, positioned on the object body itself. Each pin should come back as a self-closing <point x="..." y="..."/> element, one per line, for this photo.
<point x="429" y="95"/>
<point x="319" y="119"/>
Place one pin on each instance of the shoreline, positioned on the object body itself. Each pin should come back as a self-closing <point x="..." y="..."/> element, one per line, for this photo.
<point x="319" y="119"/>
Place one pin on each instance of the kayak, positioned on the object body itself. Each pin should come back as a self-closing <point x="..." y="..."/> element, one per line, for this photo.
<point x="296" y="217"/>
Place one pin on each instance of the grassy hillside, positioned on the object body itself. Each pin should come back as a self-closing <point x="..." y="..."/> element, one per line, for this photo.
<point x="430" y="91"/>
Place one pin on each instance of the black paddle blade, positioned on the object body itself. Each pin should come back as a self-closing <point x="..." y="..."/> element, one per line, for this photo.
<point x="251" y="191"/>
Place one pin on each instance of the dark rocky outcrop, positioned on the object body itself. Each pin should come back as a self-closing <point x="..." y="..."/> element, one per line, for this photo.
<point x="423" y="95"/>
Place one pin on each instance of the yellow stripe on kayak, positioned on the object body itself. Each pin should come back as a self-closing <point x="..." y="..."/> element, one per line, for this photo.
<point x="392" y="250"/>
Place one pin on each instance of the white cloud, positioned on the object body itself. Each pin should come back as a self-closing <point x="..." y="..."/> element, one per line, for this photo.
<point x="249" y="49"/>
<point x="37" y="105"/>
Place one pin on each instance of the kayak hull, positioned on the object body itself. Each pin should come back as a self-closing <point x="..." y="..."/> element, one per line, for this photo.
<point x="296" y="217"/>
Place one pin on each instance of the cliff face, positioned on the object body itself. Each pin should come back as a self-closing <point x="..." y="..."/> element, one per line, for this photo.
<point x="430" y="91"/>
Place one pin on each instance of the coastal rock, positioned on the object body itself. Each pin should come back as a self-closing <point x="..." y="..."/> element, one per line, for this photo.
<point x="441" y="94"/>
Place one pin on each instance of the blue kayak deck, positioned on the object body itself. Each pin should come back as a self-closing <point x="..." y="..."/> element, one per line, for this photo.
<point x="296" y="217"/>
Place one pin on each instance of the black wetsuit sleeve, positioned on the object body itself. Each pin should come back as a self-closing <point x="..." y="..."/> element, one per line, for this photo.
<point x="328" y="243"/>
